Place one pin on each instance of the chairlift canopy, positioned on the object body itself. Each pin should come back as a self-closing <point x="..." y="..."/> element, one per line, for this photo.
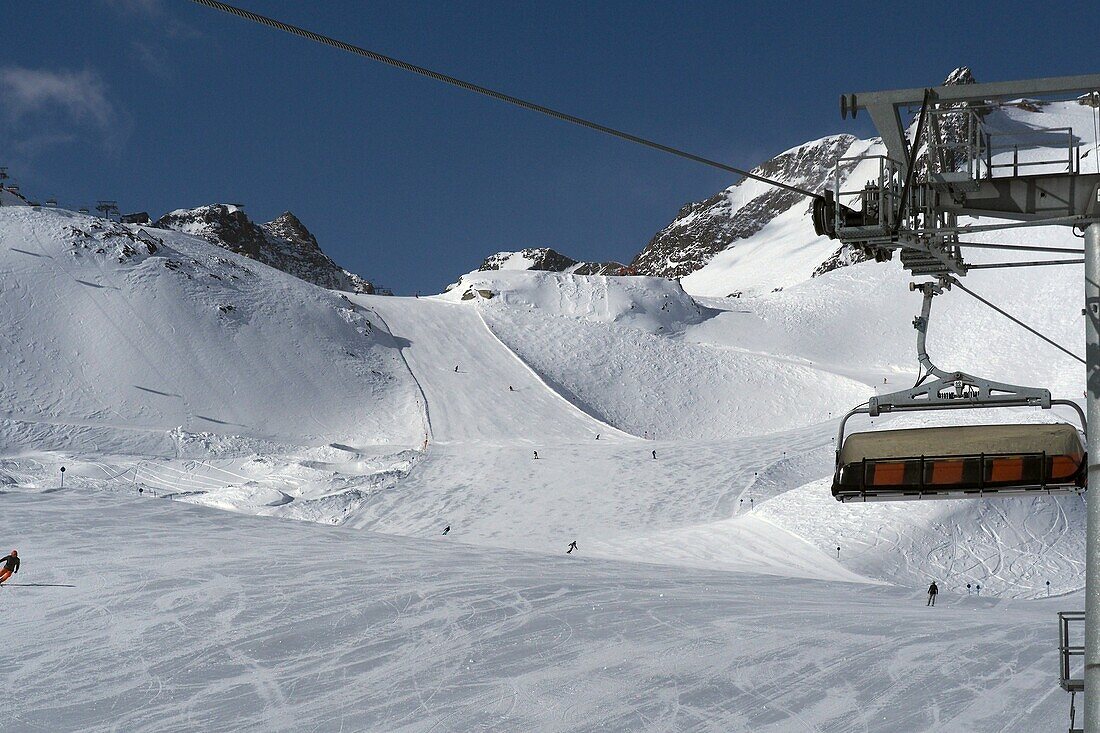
<point x="960" y="461"/>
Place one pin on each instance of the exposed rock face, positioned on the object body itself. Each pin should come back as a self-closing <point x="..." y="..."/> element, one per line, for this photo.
<point x="704" y="228"/>
<point x="283" y="243"/>
<point x="536" y="258"/>
<point x="546" y="259"/>
<point x="140" y="217"/>
<point x="845" y="255"/>
<point x="315" y="265"/>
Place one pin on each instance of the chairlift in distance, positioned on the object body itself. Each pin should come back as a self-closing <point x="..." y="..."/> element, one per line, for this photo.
<point x="962" y="461"/>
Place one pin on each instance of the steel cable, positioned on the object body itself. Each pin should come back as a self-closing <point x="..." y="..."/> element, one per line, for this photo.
<point x="500" y="96"/>
<point x="1014" y="319"/>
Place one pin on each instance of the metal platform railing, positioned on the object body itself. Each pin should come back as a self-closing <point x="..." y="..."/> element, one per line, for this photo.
<point x="1068" y="652"/>
<point x="1071" y="661"/>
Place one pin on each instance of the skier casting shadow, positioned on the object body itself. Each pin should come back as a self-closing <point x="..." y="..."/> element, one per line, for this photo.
<point x="933" y="591"/>
<point x="572" y="546"/>
<point x="11" y="565"/>
<point x="447" y="529"/>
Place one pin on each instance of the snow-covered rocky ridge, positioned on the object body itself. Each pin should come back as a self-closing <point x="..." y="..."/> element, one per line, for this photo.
<point x="283" y="243"/>
<point x="715" y="244"/>
<point x="549" y="260"/>
<point x="11" y="198"/>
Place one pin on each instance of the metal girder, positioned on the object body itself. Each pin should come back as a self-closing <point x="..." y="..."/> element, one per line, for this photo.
<point x="1026" y="198"/>
<point x="884" y="107"/>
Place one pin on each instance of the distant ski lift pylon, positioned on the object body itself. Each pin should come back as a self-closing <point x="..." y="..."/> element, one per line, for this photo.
<point x="962" y="461"/>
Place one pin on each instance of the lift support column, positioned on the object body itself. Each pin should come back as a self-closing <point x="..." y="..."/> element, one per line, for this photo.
<point x="1092" y="497"/>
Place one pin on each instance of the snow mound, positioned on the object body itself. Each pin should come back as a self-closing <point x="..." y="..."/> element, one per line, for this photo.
<point x="650" y="304"/>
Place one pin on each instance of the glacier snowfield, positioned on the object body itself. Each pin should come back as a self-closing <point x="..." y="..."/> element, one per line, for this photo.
<point x="684" y="441"/>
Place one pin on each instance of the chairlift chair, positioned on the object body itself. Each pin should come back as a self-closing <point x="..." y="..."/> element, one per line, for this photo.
<point x="963" y="461"/>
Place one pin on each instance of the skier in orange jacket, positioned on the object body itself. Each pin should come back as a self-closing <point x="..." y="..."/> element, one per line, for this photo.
<point x="11" y="565"/>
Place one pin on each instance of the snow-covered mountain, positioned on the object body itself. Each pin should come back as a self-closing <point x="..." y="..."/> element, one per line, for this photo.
<point x="704" y="228"/>
<point x="685" y="442"/>
<point x="283" y="243"/>
<point x="676" y="437"/>
<point x="130" y="339"/>
<point x="714" y="244"/>
<point x="547" y="260"/>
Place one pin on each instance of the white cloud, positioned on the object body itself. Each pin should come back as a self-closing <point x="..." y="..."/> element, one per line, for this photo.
<point x="81" y="96"/>
<point x="41" y="109"/>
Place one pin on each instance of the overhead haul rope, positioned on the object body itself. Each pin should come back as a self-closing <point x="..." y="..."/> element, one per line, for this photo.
<point x="1033" y="263"/>
<point x="499" y="96"/>
<point x="1021" y="247"/>
<point x="955" y="281"/>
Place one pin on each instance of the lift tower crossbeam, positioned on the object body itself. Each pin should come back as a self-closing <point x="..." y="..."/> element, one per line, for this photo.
<point x="885" y="107"/>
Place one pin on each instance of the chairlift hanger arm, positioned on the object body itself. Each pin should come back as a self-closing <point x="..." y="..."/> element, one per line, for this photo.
<point x="951" y="390"/>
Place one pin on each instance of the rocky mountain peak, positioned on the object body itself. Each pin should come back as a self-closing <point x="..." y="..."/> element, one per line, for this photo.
<point x="289" y="227"/>
<point x="283" y="243"/>
<point x="222" y="224"/>
<point x="961" y="75"/>
<point x="704" y="228"/>
<point x="549" y="260"/>
<point x="533" y="258"/>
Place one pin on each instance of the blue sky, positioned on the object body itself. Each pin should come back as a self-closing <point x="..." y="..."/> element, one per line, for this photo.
<point x="163" y="104"/>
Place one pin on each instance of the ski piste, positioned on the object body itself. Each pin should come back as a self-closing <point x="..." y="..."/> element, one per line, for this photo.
<point x="248" y="464"/>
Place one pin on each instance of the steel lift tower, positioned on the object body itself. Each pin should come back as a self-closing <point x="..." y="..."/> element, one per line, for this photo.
<point x="950" y="164"/>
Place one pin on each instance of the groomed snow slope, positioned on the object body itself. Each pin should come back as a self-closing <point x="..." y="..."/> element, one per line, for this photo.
<point x="613" y="346"/>
<point x="184" y="618"/>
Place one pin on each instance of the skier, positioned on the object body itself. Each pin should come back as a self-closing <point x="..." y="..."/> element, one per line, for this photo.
<point x="654" y="455"/>
<point x="933" y="591"/>
<point x="11" y="565"/>
<point x="572" y="546"/>
<point x="536" y="455"/>
<point x="597" y="436"/>
<point x="510" y="388"/>
<point x="456" y="368"/>
<point x="446" y="529"/>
